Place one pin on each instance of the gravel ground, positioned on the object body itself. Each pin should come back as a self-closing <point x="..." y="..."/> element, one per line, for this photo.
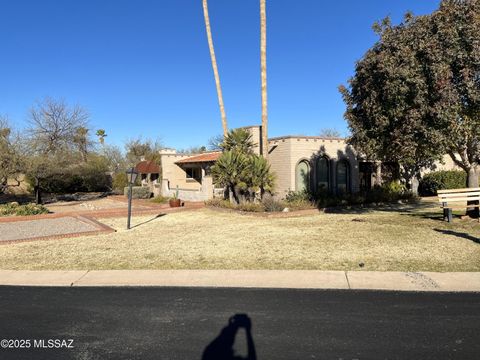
<point x="43" y="227"/>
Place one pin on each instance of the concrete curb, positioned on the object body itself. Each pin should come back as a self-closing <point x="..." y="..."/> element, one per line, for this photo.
<point x="275" y="279"/>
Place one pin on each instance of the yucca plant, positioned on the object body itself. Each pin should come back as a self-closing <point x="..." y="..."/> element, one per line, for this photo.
<point x="229" y="171"/>
<point x="239" y="140"/>
<point x="260" y="178"/>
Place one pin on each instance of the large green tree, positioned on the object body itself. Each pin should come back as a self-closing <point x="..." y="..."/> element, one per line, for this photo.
<point x="415" y="95"/>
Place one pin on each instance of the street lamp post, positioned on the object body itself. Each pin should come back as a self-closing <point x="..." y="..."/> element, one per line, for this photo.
<point x="131" y="177"/>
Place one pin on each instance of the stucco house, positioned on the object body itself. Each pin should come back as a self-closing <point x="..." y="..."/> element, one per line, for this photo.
<point x="299" y="162"/>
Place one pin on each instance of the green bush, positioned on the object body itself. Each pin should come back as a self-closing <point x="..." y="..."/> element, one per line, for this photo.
<point x="387" y="193"/>
<point x="22" y="210"/>
<point x="119" y="181"/>
<point x="139" y="192"/>
<point x="442" y="180"/>
<point x="87" y="177"/>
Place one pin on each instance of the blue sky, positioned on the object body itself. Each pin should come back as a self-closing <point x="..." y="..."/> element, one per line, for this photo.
<point x="142" y="68"/>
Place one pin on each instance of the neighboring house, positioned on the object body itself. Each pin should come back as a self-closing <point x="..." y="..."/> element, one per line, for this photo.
<point x="189" y="173"/>
<point x="149" y="173"/>
<point x="312" y="163"/>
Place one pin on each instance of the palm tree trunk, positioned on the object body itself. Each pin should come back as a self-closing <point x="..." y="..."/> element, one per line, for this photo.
<point x="215" y="68"/>
<point x="263" y="66"/>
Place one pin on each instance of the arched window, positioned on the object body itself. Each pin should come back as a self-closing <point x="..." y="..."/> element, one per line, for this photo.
<point x="343" y="176"/>
<point x="302" y="176"/>
<point x="323" y="174"/>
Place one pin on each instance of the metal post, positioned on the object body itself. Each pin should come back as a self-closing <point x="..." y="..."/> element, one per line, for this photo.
<point x="450" y="215"/>
<point x="129" y="205"/>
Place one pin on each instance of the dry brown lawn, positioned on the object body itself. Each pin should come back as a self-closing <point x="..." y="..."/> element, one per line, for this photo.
<point x="402" y="238"/>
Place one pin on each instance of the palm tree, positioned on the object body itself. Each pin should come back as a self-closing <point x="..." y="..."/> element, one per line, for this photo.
<point x="263" y="70"/>
<point x="101" y="134"/>
<point x="80" y="138"/>
<point x="215" y="68"/>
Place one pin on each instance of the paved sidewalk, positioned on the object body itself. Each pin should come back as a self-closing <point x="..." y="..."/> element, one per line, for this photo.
<point x="293" y="279"/>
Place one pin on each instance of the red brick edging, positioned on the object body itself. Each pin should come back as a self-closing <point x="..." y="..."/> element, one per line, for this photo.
<point x="102" y="229"/>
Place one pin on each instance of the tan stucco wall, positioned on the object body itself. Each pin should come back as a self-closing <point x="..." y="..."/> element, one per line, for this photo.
<point x="174" y="174"/>
<point x="286" y="153"/>
<point x="188" y="189"/>
<point x="256" y="132"/>
<point x="448" y="164"/>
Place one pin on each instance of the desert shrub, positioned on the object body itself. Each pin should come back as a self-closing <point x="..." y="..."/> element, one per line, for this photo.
<point x="138" y="192"/>
<point x="442" y="180"/>
<point x="272" y="205"/>
<point x="159" y="199"/>
<point x="298" y="196"/>
<point x="250" y="207"/>
<point x="119" y="181"/>
<point x="300" y="205"/>
<point x="225" y="204"/>
<point x="22" y="210"/>
<point x="92" y="176"/>
<point x="219" y="203"/>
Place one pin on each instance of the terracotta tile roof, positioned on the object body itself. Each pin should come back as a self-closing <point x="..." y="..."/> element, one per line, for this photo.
<point x="206" y="157"/>
<point x="147" y="167"/>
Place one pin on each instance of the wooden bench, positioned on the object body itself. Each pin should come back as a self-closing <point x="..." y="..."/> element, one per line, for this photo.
<point x="458" y="199"/>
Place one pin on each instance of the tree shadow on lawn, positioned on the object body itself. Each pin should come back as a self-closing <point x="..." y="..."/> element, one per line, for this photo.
<point x="459" y="234"/>
<point x="149" y="220"/>
<point x="413" y="209"/>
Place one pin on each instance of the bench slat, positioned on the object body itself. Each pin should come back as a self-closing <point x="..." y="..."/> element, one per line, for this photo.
<point x="460" y="207"/>
<point x="473" y="193"/>
<point x="476" y="198"/>
<point x="457" y="190"/>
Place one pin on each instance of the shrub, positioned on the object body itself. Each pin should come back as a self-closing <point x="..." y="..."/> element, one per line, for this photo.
<point x="87" y="177"/>
<point x="119" y="181"/>
<point x="159" y="199"/>
<point x="219" y="203"/>
<point x="250" y="207"/>
<point x="225" y="204"/>
<point x="298" y="196"/>
<point x="300" y="205"/>
<point x="138" y="192"/>
<point x="387" y="193"/>
<point x="272" y="205"/>
<point x="22" y="210"/>
<point x="442" y="180"/>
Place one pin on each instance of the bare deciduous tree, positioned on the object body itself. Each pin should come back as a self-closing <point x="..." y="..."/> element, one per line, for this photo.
<point x="11" y="160"/>
<point x="54" y="125"/>
<point x="330" y="133"/>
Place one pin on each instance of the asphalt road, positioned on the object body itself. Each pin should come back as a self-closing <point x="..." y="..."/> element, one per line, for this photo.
<point x="186" y="323"/>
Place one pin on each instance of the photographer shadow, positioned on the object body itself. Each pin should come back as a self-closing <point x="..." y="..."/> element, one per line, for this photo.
<point x="221" y="348"/>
